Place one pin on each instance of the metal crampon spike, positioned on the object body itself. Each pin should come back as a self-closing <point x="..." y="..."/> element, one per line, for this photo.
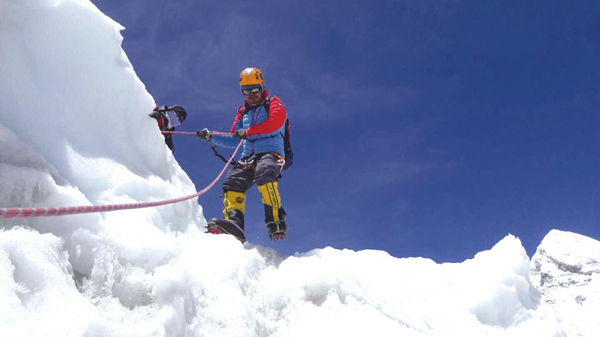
<point x="277" y="230"/>
<point x="277" y="236"/>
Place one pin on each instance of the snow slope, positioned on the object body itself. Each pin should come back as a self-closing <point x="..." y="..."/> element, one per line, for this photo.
<point x="74" y="131"/>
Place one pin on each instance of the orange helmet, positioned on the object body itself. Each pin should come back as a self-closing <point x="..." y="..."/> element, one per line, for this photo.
<point x="251" y="76"/>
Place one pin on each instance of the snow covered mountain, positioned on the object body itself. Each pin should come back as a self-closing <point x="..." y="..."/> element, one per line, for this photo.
<point x="153" y="272"/>
<point x="566" y="269"/>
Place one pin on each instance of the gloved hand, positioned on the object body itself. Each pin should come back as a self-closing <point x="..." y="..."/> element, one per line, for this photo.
<point x="163" y="108"/>
<point x="241" y="134"/>
<point x="204" y="134"/>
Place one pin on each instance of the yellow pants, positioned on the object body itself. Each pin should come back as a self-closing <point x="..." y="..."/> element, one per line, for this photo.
<point x="272" y="202"/>
<point x="234" y="206"/>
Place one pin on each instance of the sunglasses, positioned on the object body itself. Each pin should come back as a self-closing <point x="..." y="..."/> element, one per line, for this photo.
<point x="249" y="91"/>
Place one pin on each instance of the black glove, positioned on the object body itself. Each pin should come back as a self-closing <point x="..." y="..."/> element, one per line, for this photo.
<point x="204" y="134"/>
<point x="163" y="108"/>
<point x="241" y="134"/>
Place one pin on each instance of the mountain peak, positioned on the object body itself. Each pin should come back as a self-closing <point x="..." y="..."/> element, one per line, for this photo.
<point x="566" y="269"/>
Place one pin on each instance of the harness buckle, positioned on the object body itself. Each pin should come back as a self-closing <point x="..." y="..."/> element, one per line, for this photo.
<point x="247" y="163"/>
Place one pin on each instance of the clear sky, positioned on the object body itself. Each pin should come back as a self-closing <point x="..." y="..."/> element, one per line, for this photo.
<point x="422" y="128"/>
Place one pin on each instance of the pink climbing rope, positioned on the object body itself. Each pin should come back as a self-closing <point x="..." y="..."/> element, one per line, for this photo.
<point x="193" y="133"/>
<point x="7" y="213"/>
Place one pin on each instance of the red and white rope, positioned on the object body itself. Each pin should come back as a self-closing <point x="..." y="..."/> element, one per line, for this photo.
<point x="7" y="213"/>
<point x="193" y="133"/>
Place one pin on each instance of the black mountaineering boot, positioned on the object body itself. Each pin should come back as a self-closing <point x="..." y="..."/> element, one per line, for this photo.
<point x="277" y="230"/>
<point x="235" y="204"/>
<point x="223" y="226"/>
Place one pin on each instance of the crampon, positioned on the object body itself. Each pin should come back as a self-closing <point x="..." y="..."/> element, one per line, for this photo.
<point x="277" y="230"/>
<point x="220" y="226"/>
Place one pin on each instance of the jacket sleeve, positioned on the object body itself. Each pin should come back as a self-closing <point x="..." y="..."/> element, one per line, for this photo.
<point x="229" y="140"/>
<point x="271" y="125"/>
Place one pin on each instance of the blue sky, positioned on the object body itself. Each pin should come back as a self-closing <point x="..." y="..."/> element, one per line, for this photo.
<point x="422" y="128"/>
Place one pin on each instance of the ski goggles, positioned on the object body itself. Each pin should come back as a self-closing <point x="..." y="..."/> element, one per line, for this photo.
<point x="249" y="91"/>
